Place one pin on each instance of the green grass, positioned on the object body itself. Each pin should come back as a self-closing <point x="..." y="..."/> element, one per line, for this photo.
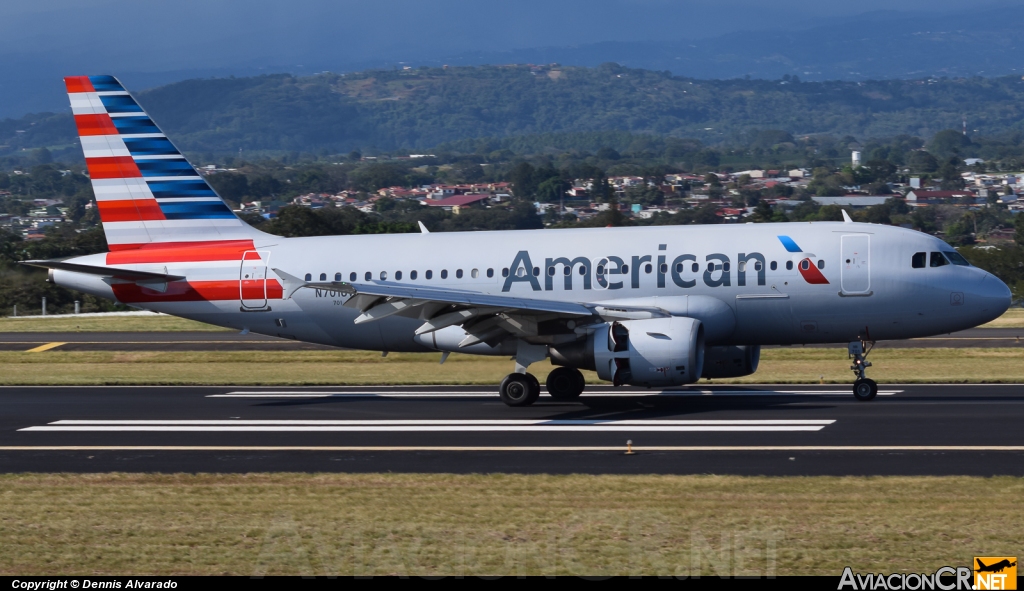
<point x="377" y="524"/>
<point x="153" y="323"/>
<point x="779" y="366"/>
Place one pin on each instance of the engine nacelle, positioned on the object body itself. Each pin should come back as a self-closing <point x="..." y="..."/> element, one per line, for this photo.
<point x="650" y="352"/>
<point x="731" y="362"/>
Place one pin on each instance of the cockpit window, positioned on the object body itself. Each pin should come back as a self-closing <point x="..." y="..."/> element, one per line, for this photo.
<point x="919" y="260"/>
<point x="956" y="258"/>
<point x="937" y="260"/>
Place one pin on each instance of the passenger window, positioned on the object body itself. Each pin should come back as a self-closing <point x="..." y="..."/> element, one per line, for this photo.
<point x="664" y="267"/>
<point x="430" y="274"/>
<point x="956" y="258"/>
<point x="937" y="260"/>
<point x="624" y="269"/>
<point x="741" y="266"/>
<point x="774" y="265"/>
<point x="695" y="267"/>
<point x="725" y="267"/>
<point x="711" y="267"/>
<point x="504" y="272"/>
<point x="490" y="272"/>
<point x="398" y="275"/>
<point x="337" y="276"/>
<point x="583" y="270"/>
<point x="789" y="265"/>
<point x="368" y="276"/>
<point x="567" y="270"/>
<point x="758" y="266"/>
<point x="648" y="268"/>
<point x="536" y="271"/>
<point x="679" y="267"/>
<point x="551" y="271"/>
<point x="821" y="263"/>
<point x="352" y="276"/>
<point x="444" y="273"/>
<point x="474" y="273"/>
<point x="521" y="272"/>
<point x="412" y="275"/>
<point x="600" y="269"/>
<point x="805" y="264"/>
<point x="309" y="276"/>
<point x="323" y="277"/>
<point x="918" y="260"/>
<point x="383" y="275"/>
<point x="458" y="273"/>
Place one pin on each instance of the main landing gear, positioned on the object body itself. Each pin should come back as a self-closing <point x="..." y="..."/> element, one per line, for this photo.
<point x="864" y="389"/>
<point x="523" y="389"/>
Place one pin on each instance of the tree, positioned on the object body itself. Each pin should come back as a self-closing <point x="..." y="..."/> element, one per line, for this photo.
<point x="948" y="142"/>
<point x="607" y="153"/>
<point x="1018" y="230"/>
<point x="921" y="161"/>
<point x="230" y="185"/>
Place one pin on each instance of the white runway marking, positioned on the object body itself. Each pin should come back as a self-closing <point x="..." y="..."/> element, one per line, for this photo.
<point x="449" y="426"/>
<point x="485" y="448"/>
<point x="492" y="393"/>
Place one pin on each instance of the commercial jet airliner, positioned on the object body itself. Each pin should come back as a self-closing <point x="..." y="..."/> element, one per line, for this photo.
<point x="656" y="306"/>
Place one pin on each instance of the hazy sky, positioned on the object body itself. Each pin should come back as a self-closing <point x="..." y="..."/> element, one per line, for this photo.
<point x="164" y="34"/>
<point x="152" y="42"/>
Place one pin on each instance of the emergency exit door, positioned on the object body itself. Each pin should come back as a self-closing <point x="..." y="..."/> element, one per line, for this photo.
<point x="253" y="279"/>
<point x="856" y="264"/>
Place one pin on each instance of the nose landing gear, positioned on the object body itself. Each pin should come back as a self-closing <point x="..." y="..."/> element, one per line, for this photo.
<point x="864" y="388"/>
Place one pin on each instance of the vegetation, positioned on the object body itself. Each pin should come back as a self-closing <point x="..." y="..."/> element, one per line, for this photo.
<point x="497" y="524"/>
<point x="532" y="109"/>
<point x="778" y="366"/>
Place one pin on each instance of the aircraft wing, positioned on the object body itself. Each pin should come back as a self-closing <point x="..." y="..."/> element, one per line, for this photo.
<point x="485" y="317"/>
<point x="114" y="272"/>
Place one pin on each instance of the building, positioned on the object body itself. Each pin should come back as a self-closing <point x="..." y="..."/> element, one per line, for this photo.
<point x="918" y="195"/>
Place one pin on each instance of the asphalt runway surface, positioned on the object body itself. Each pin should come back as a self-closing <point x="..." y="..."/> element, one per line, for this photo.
<point x="233" y="341"/>
<point x="753" y="430"/>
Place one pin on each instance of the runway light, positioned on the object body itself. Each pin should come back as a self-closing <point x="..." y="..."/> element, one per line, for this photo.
<point x="629" y="447"/>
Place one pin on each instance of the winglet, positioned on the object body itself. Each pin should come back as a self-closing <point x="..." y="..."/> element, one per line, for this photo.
<point x="846" y="217"/>
<point x="423" y="229"/>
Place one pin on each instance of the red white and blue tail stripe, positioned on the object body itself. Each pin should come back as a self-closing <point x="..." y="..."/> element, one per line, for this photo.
<point x="147" y="193"/>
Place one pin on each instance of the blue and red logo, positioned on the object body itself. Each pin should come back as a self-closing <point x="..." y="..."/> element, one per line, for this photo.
<point x="807" y="267"/>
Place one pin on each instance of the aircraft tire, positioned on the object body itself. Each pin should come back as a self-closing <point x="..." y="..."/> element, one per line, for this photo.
<point x="565" y="383"/>
<point x="519" y="389"/>
<point x="865" y="389"/>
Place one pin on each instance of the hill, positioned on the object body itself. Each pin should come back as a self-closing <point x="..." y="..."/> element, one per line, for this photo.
<point x="422" y="108"/>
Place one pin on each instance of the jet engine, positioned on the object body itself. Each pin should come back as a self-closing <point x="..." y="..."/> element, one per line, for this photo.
<point x="731" y="362"/>
<point x="649" y="352"/>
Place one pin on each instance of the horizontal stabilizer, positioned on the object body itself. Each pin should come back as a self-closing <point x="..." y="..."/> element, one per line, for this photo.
<point x="125" y="274"/>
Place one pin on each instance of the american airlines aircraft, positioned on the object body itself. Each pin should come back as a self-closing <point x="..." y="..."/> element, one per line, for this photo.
<point x="656" y="306"/>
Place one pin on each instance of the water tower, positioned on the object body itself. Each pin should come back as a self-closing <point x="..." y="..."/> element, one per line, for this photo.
<point x="855" y="157"/>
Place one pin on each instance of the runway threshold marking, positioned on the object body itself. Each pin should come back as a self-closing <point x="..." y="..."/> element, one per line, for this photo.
<point x="45" y="347"/>
<point x="602" y="448"/>
<point x="490" y="393"/>
<point x="447" y="426"/>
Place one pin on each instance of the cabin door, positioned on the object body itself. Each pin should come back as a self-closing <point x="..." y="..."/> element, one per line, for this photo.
<point x="253" y="280"/>
<point x="856" y="264"/>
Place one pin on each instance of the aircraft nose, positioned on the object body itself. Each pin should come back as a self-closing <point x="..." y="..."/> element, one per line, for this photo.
<point x="993" y="297"/>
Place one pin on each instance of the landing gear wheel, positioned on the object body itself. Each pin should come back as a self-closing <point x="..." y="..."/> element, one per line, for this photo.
<point x="565" y="383"/>
<point x="519" y="389"/>
<point x="865" y="389"/>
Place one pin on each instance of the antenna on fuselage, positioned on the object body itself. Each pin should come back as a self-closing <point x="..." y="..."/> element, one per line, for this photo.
<point x="846" y="217"/>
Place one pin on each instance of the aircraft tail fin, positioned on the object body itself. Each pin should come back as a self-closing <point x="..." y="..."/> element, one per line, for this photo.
<point x="147" y="192"/>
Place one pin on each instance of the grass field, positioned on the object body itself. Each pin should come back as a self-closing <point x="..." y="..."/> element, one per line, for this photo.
<point x="351" y="524"/>
<point x="780" y="366"/>
<point x="1013" y="318"/>
<point x="154" y="323"/>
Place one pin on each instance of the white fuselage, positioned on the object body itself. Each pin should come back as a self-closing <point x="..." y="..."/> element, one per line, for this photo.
<point x="860" y="283"/>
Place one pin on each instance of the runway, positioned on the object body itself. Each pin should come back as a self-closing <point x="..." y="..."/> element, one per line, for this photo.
<point x="755" y="430"/>
<point x="233" y="341"/>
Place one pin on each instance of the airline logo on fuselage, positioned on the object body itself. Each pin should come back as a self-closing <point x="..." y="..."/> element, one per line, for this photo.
<point x="614" y="272"/>
<point x="807" y="266"/>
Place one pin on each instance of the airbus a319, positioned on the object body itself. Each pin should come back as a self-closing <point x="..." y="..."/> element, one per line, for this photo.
<point x="650" y="306"/>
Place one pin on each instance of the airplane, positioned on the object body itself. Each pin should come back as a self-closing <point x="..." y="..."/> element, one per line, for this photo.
<point x="994" y="568"/>
<point x="656" y="306"/>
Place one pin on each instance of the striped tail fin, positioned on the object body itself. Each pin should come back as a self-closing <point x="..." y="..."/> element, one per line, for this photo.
<point x="147" y="193"/>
